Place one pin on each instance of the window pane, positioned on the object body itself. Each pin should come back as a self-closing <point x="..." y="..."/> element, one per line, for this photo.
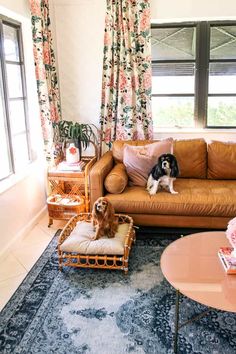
<point x="5" y="164"/>
<point x="222" y="78"/>
<point x="223" y="42"/>
<point x="14" y="152"/>
<point x="173" y="78"/>
<point x="4" y="160"/>
<point x="20" y="150"/>
<point x="5" y="169"/>
<point x="17" y="116"/>
<point x="172" y="84"/>
<point x="173" y="43"/>
<point x="221" y="111"/>
<point x="173" y="111"/>
<point x="11" y="48"/>
<point x="14" y="80"/>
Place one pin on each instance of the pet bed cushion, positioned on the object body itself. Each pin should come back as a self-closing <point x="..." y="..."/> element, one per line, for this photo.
<point x="80" y="240"/>
<point x="139" y="160"/>
<point x="117" y="179"/>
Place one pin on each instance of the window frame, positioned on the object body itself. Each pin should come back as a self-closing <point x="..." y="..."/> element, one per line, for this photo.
<point x="202" y="62"/>
<point x="4" y="20"/>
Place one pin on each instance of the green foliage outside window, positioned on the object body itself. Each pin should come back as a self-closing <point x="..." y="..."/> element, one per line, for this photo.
<point x="174" y="116"/>
<point x="221" y="115"/>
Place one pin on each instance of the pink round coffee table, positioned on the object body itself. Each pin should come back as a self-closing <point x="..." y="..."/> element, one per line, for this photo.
<point x="191" y="265"/>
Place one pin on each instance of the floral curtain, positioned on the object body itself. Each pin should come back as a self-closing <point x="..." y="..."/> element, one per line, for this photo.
<point x="46" y="76"/>
<point x="126" y="86"/>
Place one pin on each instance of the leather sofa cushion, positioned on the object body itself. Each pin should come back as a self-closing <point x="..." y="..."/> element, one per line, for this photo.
<point x="192" y="157"/>
<point x="197" y="197"/>
<point x="221" y="160"/>
<point x="117" y="179"/>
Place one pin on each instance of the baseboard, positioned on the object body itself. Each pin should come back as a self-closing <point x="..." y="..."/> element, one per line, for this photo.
<point x="23" y="232"/>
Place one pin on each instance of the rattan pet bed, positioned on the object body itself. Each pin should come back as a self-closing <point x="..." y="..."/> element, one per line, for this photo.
<point x="77" y="249"/>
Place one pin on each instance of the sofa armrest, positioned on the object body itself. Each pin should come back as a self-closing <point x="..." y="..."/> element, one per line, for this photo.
<point x="97" y="176"/>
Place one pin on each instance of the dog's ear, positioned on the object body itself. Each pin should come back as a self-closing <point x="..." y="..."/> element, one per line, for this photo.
<point x="156" y="171"/>
<point x="174" y="167"/>
<point x="94" y="211"/>
<point x="110" y="211"/>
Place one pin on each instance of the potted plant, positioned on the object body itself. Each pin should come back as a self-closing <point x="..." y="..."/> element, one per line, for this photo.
<point x="81" y="134"/>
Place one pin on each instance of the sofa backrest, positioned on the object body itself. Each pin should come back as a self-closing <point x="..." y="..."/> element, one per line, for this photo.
<point x="191" y="155"/>
<point x="221" y="160"/>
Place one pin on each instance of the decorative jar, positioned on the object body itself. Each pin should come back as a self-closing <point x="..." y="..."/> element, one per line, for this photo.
<point x="72" y="154"/>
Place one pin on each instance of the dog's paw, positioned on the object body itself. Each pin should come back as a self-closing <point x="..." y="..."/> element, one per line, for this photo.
<point x="94" y="236"/>
<point x="174" y="192"/>
<point x="151" y="192"/>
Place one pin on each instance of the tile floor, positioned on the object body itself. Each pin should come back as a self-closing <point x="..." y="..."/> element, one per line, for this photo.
<point x="16" y="264"/>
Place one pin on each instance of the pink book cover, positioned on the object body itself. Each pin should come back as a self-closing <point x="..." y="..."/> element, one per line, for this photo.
<point x="228" y="261"/>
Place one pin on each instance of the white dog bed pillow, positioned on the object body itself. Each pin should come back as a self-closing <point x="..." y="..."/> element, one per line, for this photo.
<point x="81" y="240"/>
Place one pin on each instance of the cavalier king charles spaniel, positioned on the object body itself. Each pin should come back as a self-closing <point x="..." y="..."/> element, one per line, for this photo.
<point x="104" y="220"/>
<point x="163" y="174"/>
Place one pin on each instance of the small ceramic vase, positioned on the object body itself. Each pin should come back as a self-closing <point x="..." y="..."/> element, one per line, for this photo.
<point x="72" y="154"/>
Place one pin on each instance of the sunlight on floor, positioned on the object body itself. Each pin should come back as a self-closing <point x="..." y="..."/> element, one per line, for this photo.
<point x="24" y="254"/>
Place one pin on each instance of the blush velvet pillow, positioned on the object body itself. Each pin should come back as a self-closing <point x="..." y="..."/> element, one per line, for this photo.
<point x="139" y="160"/>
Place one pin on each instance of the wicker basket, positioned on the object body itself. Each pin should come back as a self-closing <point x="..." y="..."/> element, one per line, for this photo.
<point x="65" y="206"/>
<point x="99" y="260"/>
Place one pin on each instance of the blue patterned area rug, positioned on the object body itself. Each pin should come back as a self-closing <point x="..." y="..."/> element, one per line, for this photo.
<point x="80" y="311"/>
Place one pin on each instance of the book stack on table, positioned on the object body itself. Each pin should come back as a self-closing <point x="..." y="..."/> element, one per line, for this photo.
<point x="65" y="166"/>
<point x="228" y="261"/>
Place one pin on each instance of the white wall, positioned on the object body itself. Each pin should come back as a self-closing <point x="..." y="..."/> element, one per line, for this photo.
<point x="21" y="202"/>
<point x="192" y="9"/>
<point x="19" y="7"/>
<point x="79" y="41"/>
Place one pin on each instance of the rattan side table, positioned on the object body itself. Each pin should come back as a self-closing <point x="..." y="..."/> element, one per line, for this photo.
<point x="69" y="185"/>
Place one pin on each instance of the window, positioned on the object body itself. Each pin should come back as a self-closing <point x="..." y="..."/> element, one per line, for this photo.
<point x="194" y="75"/>
<point x="14" y="132"/>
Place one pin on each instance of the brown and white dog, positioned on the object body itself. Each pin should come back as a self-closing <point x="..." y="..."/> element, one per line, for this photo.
<point x="103" y="217"/>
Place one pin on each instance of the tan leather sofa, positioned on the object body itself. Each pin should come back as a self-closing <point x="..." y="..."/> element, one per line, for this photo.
<point x="206" y="187"/>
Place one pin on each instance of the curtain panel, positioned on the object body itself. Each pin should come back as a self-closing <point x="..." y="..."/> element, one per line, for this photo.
<point x="126" y="85"/>
<point x="46" y="75"/>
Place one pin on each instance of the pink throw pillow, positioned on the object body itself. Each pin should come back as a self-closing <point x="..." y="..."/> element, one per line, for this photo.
<point x="139" y="160"/>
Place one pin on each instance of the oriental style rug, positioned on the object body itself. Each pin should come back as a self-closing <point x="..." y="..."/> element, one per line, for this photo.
<point x="80" y="311"/>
